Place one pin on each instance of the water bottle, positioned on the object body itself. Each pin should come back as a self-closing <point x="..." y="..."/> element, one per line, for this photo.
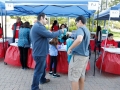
<point x="62" y="44"/>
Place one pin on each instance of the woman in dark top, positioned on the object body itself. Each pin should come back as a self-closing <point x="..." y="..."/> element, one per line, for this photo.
<point x="24" y="43"/>
<point x="98" y="38"/>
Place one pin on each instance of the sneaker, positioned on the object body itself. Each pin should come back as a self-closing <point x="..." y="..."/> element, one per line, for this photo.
<point x="56" y="75"/>
<point x="51" y="73"/>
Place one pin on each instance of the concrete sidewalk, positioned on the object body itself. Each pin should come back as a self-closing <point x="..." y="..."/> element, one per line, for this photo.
<point x="15" y="78"/>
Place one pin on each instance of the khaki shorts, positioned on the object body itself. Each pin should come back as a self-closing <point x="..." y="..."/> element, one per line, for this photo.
<point x="77" y="67"/>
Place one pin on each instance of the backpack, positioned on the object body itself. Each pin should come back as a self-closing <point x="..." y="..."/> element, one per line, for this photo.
<point x="89" y="48"/>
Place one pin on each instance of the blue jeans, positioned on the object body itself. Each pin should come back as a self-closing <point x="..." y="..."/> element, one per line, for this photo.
<point x="39" y="72"/>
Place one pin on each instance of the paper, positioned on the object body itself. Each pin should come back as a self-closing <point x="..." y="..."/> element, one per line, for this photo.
<point x="93" y="5"/>
<point x="9" y="6"/>
<point x="62" y="47"/>
<point x="114" y="13"/>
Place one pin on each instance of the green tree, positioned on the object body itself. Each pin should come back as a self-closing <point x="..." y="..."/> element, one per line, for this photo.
<point x="25" y="18"/>
<point x="61" y="20"/>
<point x="113" y="2"/>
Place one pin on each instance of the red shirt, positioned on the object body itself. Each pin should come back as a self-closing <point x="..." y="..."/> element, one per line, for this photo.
<point x="55" y="28"/>
<point x="17" y="29"/>
<point x="1" y="32"/>
<point x="109" y="43"/>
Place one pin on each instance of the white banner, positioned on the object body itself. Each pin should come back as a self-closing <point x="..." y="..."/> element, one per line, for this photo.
<point x="114" y="13"/>
<point x="9" y="6"/>
<point x="93" y="5"/>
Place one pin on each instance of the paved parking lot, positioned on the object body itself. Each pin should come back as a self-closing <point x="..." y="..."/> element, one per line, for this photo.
<point x="15" y="78"/>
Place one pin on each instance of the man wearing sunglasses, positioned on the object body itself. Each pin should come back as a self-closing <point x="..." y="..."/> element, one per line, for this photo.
<point x="80" y="54"/>
<point x="40" y="48"/>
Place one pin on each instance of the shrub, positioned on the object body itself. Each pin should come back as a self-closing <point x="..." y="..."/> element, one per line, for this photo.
<point x="71" y="28"/>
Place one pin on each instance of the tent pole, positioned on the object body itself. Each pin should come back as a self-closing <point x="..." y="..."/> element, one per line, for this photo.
<point x="95" y="44"/>
<point x="56" y="18"/>
<point x="68" y="23"/>
<point x="104" y="48"/>
<point x="49" y="23"/>
<point x="104" y="23"/>
<point x="5" y="25"/>
<point x="89" y="22"/>
<point x="92" y="24"/>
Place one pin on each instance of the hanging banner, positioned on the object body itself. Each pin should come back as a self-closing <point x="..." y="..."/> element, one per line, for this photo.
<point x="114" y="13"/>
<point x="93" y="5"/>
<point x="9" y="6"/>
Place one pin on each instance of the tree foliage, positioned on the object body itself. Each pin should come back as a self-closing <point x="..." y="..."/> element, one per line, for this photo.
<point x="30" y="19"/>
<point x="61" y="20"/>
<point x="113" y="2"/>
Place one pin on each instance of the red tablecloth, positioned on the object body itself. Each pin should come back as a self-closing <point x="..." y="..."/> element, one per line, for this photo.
<point x="62" y="65"/>
<point x="3" y="50"/>
<point x="31" y="62"/>
<point x="12" y="57"/>
<point x="110" y="64"/>
<point x="92" y="44"/>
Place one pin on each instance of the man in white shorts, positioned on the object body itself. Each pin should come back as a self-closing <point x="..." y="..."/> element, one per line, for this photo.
<point x="80" y="54"/>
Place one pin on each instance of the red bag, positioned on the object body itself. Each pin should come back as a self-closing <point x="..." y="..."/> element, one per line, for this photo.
<point x="12" y="56"/>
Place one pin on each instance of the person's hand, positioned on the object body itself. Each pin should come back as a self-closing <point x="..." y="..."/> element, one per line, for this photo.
<point x="69" y="51"/>
<point x="63" y="30"/>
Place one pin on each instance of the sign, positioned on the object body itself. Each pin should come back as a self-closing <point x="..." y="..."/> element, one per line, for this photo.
<point x="93" y="5"/>
<point x="9" y="6"/>
<point x="114" y="13"/>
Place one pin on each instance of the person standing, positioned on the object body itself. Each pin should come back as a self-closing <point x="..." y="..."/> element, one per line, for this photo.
<point x="63" y="37"/>
<point x="55" y="26"/>
<point x="40" y="48"/>
<point x="98" y="39"/>
<point x="15" y="27"/>
<point x="53" y="51"/>
<point x="80" y="54"/>
<point x="24" y="43"/>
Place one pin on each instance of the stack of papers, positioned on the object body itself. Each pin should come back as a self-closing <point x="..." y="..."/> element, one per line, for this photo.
<point x="62" y="47"/>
